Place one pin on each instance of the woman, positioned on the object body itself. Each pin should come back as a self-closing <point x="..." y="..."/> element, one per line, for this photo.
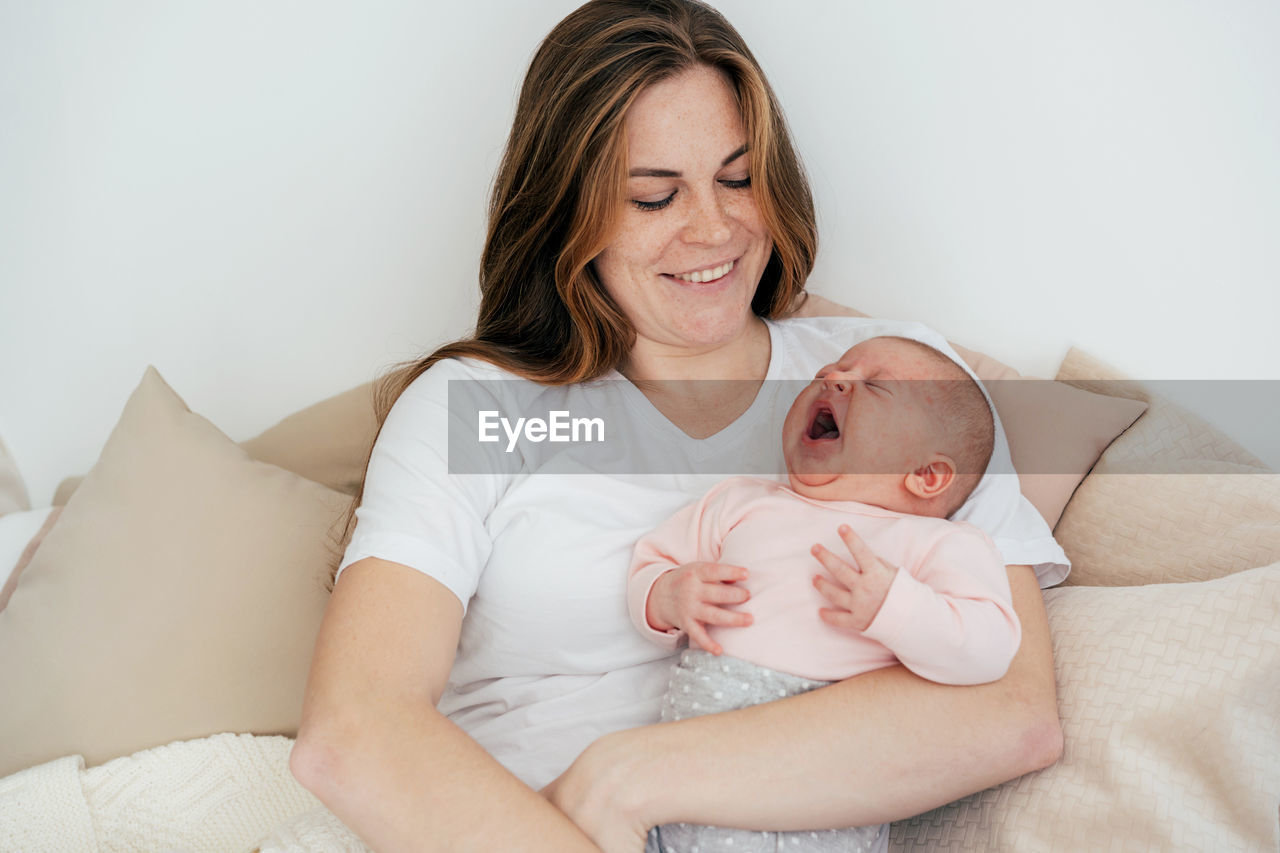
<point x="648" y="221"/>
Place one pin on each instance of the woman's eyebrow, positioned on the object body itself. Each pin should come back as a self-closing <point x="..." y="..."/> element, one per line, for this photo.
<point x="671" y="173"/>
<point x="742" y="149"/>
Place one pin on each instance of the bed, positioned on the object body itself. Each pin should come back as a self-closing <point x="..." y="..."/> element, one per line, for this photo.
<point x="155" y="637"/>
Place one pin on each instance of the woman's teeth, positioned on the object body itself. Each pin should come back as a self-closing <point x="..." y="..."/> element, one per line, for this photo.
<point x="704" y="276"/>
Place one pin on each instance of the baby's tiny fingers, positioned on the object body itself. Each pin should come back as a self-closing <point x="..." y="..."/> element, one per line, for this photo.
<point x="858" y="549"/>
<point x="698" y="635"/>
<point x="839" y="568"/>
<point x="719" y="616"/>
<point x="833" y="592"/>
<point x="721" y="572"/>
<point x="838" y="618"/>
<point x="721" y="593"/>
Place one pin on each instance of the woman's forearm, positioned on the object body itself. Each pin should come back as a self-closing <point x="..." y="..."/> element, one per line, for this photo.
<point x="374" y="749"/>
<point x="414" y="781"/>
<point x="879" y="747"/>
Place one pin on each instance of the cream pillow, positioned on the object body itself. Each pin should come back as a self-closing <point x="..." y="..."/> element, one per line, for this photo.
<point x="178" y="596"/>
<point x="1173" y="499"/>
<point x="1168" y="697"/>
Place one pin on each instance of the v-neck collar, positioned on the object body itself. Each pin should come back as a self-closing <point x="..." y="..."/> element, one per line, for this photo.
<point x="763" y="402"/>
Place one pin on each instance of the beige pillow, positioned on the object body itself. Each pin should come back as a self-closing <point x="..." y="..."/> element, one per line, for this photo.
<point x="13" y="492"/>
<point x="67" y="488"/>
<point x="178" y="596"/>
<point x="327" y="442"/>
<point x="29" y="552"/>
<point x="1173" y="499"/>
<point x="1055" y="432"/>
<point x="1169" y="696"/>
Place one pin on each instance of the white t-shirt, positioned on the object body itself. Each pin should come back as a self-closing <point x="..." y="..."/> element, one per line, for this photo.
<point x="536" y="543"/>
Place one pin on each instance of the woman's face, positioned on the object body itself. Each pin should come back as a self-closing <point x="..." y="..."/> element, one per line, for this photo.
<point x="690" y="245"/>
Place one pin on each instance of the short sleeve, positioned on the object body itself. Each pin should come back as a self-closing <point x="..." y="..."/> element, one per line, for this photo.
<point x="415" y="511"/>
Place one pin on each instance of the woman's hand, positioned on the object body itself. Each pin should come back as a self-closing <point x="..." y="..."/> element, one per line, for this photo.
<point x="860" y="586"/>
<point x="594" y="794"/>
<point x="691" y="597"/>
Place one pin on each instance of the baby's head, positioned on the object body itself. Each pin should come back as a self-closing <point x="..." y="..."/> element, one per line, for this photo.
<point x="894" y="423"/>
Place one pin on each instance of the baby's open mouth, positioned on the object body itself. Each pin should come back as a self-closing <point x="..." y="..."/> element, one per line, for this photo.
<point x="824" y="426"/>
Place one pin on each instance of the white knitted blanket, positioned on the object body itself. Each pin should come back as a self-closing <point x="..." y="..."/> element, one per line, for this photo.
<point x="221" y="794"/>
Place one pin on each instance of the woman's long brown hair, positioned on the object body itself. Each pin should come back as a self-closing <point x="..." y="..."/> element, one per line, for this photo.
<point x="544" y="314"/>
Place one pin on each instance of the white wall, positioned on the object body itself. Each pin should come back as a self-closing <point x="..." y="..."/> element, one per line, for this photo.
<point x="272" y="202"/>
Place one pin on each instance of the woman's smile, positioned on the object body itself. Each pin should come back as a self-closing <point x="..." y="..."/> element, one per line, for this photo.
<point x="706" y="276"/>
<point x="689" y="219"/>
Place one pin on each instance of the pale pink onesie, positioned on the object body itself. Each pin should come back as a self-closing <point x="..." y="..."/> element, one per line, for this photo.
<point x="948" y="615"/>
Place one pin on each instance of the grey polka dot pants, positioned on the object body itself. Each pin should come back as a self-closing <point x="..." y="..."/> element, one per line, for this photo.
<point x="702" y="683"/>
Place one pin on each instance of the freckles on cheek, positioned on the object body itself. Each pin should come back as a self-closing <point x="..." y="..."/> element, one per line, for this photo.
<point x="653" y="254"/>
<point x="746" y="210"/>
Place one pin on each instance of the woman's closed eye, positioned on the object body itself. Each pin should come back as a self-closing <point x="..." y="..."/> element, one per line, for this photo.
<point x="654" y="205"/>
<point x="659" y="204"/>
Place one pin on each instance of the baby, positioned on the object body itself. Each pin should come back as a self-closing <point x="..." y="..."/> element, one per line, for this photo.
<point x="880" y="448"/>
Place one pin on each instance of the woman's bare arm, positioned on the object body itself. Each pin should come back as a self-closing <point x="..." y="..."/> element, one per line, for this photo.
<point x="878" y="747"/>
<point x="375" y="750"/>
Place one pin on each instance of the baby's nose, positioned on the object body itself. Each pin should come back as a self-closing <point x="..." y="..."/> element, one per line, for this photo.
<point x="839" y="381"/>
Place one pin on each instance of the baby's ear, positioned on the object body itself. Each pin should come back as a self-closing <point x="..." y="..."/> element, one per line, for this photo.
<point x="933" y="478"/>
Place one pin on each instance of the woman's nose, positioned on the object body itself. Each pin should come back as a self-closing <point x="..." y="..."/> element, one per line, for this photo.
<point x="708" y="223"/>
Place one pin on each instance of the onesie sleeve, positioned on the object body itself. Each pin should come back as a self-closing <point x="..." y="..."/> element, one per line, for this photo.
<point x="415" y="510"/>
<point x="951" y="618"/>
<point x="690" y="535"/>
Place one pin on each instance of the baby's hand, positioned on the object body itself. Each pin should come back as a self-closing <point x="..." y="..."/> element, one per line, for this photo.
<point x="689" y="598"/>
<point x="861" y="587"/>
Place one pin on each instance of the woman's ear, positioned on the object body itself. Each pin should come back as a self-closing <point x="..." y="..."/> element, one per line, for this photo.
<point x="932" y="478"/>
